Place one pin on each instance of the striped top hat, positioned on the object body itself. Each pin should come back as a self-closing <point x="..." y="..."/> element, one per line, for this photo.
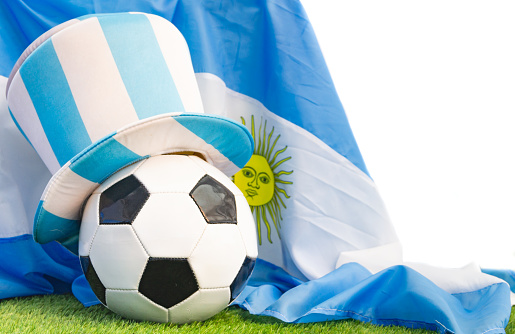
<point x="100" y="92"/>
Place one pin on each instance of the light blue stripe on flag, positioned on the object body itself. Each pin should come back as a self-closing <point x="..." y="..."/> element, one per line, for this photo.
<point x="29" y="268"/>
<point x="54" y="104"/>
<point x="150" y="66"/>
<point x="99" y="162"/>
<point x="268" y="50"/>
<point x="233" y="145"/>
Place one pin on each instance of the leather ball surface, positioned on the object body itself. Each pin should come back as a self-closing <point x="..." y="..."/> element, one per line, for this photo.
<point x="168" y="239"/>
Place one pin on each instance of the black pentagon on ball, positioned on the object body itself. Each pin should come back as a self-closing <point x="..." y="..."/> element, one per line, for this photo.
<point x="242" y="277"/>
<point x="121" y="202"/>
<point x="93" y="279"/>
<point x="167" y="282"/>
<point x="215" y="201"/>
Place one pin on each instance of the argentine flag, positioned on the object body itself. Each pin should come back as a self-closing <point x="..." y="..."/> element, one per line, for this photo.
<point x="327" y="248"/>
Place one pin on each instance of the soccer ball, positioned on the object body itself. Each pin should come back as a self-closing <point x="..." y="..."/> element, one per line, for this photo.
<point x="167" y="239"/>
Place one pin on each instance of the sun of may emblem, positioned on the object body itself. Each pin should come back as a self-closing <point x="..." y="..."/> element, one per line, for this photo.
<point x="261" y="179"/>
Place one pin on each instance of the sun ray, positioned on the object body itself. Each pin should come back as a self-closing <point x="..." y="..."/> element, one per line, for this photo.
<point x="273" y="146"/>
<point x="282" y="191"/>
<point x="280" y="200"/>
<point x="276" y="154"/>
<point x="280" y="163"/>
<point x="283" y="172"/>
<point x="258" y="149"/>
<point x="267" y="153"/>
<point x="278" y="207"/>
<point x="267" y="224"/>
<point x="262" y="151"/>
<point x="253" y="131"/>
<point x="258" y="221"/>
<point x="273" y="213"/>
<point x="268" y="207"/>
<point x="283" y="182"/>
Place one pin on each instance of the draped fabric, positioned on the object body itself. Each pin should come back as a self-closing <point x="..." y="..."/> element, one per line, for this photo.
<point x="327" y="248"/>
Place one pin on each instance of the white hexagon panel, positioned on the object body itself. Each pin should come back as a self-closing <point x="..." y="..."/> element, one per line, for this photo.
<point x="118" y="257"/>
<point x="247" y="226"/>
<point x="218" y="257"/>
<point x="169" y="225"/>
<point x="131" y="304"/>
<point x="200" y="306"/>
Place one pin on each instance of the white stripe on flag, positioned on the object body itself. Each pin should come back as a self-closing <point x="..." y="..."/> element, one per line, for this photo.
<point x="28" y="119"/>
<point x="174" y="48"/>
<point x="456" y="280"/>
<point x="23" y="176"/>
<point x="453" y="280"/>
<point x="96" y="84"/>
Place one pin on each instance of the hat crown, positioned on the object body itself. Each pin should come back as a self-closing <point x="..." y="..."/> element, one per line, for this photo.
<point x="96" y="74"/>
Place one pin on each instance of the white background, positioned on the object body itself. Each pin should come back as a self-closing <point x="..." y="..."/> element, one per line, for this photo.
<point x="429" y="90"/>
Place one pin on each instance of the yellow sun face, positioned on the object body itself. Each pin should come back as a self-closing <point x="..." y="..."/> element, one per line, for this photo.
<point x="256" y="180"/>
<point x="261" y="180"/>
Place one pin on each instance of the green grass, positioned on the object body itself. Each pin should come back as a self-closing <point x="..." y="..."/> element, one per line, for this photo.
<point x="64" y="314"/>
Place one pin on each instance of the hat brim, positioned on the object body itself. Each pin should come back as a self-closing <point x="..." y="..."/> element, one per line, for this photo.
<point x="220" y="141"/>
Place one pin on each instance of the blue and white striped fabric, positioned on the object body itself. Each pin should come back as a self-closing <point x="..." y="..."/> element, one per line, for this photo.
<point x="95" y="82"/>
<point x="100" y="92"/>
<point x="330" y="252"/>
